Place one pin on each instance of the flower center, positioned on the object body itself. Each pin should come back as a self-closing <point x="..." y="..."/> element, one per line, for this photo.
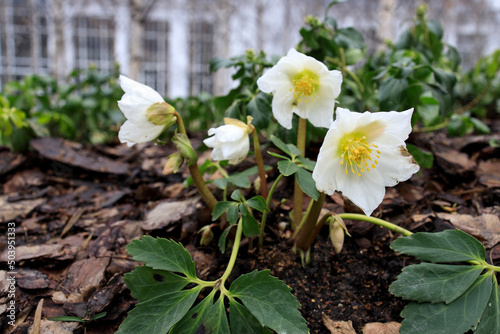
<point x="305" y="85"/>
<point x="356" y="154"/>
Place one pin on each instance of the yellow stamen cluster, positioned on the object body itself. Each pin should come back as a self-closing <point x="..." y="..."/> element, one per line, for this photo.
<point x="357" y="155"/>
<point x="305" y="85"/>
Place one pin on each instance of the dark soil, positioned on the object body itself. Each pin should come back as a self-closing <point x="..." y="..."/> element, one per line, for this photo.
<point x="81" y="197"/>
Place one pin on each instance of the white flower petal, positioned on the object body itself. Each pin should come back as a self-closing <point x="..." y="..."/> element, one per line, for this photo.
<point x="304" y="86"/>
<point x="229" y="142"/>
<point x="362" y="154"/>
<point x="132" y="133"/>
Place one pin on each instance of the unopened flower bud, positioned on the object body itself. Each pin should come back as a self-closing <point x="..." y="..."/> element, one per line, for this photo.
<point x="173" y="164"/>
<point x="337" y="233"/>
<point x="161" y="113"/>
<point x="312" y="21"/>
<point x="206" y="235"/>
<point x="184" y="147"/>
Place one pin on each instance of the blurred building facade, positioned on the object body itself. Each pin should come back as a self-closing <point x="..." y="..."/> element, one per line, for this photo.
<point x="168" y="44"/>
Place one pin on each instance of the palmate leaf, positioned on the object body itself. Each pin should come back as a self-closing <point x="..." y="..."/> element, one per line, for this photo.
<point x="159" y="314"/>
<point x="445" y="246"/>
<point x="490" y="320"/>
<point x="459" y="316"/>
<point x="269" y="300"/>
<point x="242" y="321"/>
<point x="307" y="184"/>
<point x="162" y="254"/>
<point x="287" y="168"/>
<point x="434" y="283"/>
<point x="146" y="283"/>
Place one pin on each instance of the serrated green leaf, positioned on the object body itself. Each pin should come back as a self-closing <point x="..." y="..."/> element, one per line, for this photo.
<point x="434" y="283"/>
<point x="146" y="283"/>
<point x="163" y="254"/>
<point x="233" y="214"/>
<point x="242" y="321"/>
<point x="236" y="195"/>
<point x="258" y="203"/>
<point x="459" y="316"/>
<point x="220" y="208"/>
<point x="276" y="155"/>
<point x="215" y="321"/>
<point x="241" y="181"/>
<point x="287" y="168"/>
<point x="307" y="184"/>
<point x="193" y="319"/>
<point x="221" y="183"/>
<point x="159" y="314"/>
<point x="490" y="320"/>
<point x="250" y="226"/>
<point x="441" y="247"/>
<point x="270" y="302"/>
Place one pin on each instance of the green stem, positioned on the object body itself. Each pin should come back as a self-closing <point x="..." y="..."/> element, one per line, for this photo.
<point x="376" y="221"/>
<point x="198" y="180"/>
<point x="304" y="218"/>
<point x="234" y="253"/>
<point x="264" y="214"/>
<point x="298" y="195"/>
<point x="260" y="164"/>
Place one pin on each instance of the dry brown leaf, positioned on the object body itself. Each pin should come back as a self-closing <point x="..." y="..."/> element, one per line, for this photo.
<point x="35" y="329"/>
<point x="485" y="227"/>
<point x="167" y="213"/>
<point x="338" y="327"/>
<point x="382" y="328"/>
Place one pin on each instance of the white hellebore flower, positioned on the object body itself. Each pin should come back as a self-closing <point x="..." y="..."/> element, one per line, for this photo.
<point x="300" y="84"/>
<point x="146" y="112"/>
<point x="230" y="141"/>
<point x="363" y="153"/>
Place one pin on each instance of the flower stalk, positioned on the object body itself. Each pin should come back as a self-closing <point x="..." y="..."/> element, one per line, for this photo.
<point x="260" y="164"/>
<point x="298" y="194"/>
<point x="264" y="214"/>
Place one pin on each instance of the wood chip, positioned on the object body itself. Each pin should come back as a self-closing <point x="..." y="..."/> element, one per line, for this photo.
<point x="11" y="210"/>
<point x="85" y="276"/>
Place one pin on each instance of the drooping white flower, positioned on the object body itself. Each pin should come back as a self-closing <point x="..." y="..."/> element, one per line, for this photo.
<point x="363" y="153"/>
<point x="146" y="112"/>
<point x="300" y="84"/>
<point x="230" y="141"/>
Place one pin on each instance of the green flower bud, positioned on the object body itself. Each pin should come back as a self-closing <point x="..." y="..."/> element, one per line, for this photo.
<point x="184" y="147"/>
<point x="161" y="113"/>
<point x="173" y="164"/>
<point x="206" y="235"/>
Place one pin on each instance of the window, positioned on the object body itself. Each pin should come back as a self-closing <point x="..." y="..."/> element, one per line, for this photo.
<point x="93" y="38"/>
<point x="23" y="39"/>
<point x="155" y="62"/>
<point x="200" y="53"/>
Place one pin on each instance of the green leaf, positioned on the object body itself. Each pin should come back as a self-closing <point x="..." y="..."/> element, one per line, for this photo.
<point x="215" y="320"/>
<point x="146" y="283"/>
<point x="445" y="246"/>
<point x="459" y="316"/>
<point x="480" y="126"/>
<point x="223" y="237"/>
<point x="159" y="314"/>
<point x="423" y="159"/>
<point x="163" y="254"/>
<point x="281" y="145"/>
<point x="193" y="319"/>
<point x="270" y="302"/>
<point x="233" y="214"/>
<point x="258" y="203"/>
<point x="490" y="320"/>
<point x="236" y="196"/>
<point x="220" y="208"/>
<point x="287" y="168"/>
<point x="307" y="163"/>
<point x="306" y="183"/>
<point x="242" y="321"/>
<point x="390" y="92"/>
<point x="429" y="110"/>
<point x="434" y="283"/>
<point x="260" y="109"/>
<point x="250" y="226"/>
